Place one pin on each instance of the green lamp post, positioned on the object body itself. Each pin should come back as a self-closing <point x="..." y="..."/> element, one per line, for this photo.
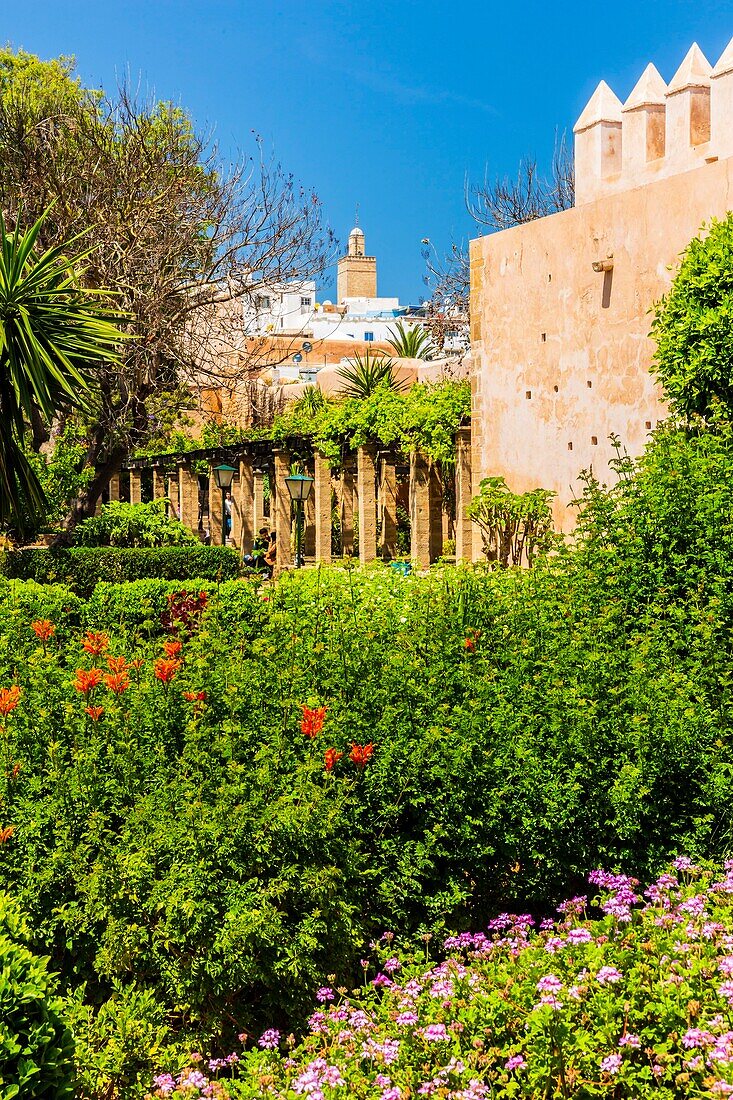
<point x="224" y="475"/>
<point x="299" y="487"/>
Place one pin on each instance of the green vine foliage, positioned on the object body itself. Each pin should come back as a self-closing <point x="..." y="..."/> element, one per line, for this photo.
<point x="424" y="418"/>
<point x="122" y="524"/>
<point x="693" y="326"/>
<point x="514" y="527"/>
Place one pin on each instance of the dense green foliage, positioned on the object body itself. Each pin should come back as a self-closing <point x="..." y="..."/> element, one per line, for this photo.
<point x="514" y="527"/>
<point x="197" y="868"/>
<point x="634" y="1004"/>
<point x="82" y="567"/>
<point x="36" y="1049"/>
<point x="693" y="326"/>
<point x="425" y="417"/>
<point x="52" y="333"/>
<point x="122" y="524"/>
<point x="364" y="374"/>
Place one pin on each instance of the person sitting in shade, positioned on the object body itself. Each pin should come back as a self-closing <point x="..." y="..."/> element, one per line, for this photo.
<point x="256" y="560"/>
<point x="271" y="555"/>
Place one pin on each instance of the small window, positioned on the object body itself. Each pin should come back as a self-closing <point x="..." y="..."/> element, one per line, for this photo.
<point x="570" y="446"/>
<point x="648" y="425"/>
<point x="594" y="440"/>
<point x="528" y="395"/>
<point x="589" y="384"/>
<point x="369" y="336"/>
<point x="556" y="388"/>
<point x="263" y="301"/>
<point x="305" y="305"/>
<point x="544" y="337"/>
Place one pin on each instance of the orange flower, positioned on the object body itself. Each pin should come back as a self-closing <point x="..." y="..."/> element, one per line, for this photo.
<point x="360" y="754"/>
<point x="17" y="768"/>
<point x="9" y="699"/>
<point x="313" y="719"/>
<point x="117" y="664"/>
<point x="172" y="647"/>
<point x="94" y="643"/>
<point x="470" y="645"/>
<point x="87" y="681"/>
<point x="117" y="682"/>
<point x="165" y="670"/>
<point x="95" y="713"/>
<point x="195" y="696"/>
<point x="331" y="757"/>
<point x="6" y="833"/>
<point x="43" y="628"/>
<point x="137" y="664"/>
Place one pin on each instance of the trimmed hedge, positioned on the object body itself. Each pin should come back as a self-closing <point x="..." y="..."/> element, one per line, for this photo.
<point x="82" y="567"/>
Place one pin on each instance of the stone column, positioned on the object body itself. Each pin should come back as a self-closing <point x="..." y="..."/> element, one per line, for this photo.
<point x="464" y="526"/>
<point x="244" y="509"/>
<point x="425" y="511"/>
<point x="259" y="499"/>
<point x="113" y="488"/>
<point x="188" y="498"/>
<point x="215" y="506"/>
<point x="347" y="510"/>
<point x="322" y="499"/>
<point x="366" y="472"/>
<point x="159" y="483"/>
<point x="136" y="487"/>
<point x="282" y="507"/>
<point x="309" y="523"/>
<point x="388" y="508"/>
<point x="435" y="526"/>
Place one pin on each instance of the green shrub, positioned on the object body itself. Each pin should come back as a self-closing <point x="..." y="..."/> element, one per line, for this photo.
<point x="527" y="724"/>
<point x="81" y="568"/>
<point x="36" y="1049"/>
<point x="634" y="1004"/>
<point x="693" y="326"/>
<point x="121" y="524"/>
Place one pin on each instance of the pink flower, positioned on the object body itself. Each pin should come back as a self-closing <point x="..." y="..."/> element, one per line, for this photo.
<point x="608" y="975"/>
<point x="611" y="1064"/>
<point x="434" y="1033"/>
<point x="630" y="1040"/>
<point x="549" y="984"/>
<point x="515" y="1062"/>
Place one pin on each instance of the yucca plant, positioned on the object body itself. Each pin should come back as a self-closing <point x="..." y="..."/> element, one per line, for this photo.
<point x="311" y="401"/>
<point x="411" y="343"/>
<point x="52" y="332"/>
<point x="365" y="373"/>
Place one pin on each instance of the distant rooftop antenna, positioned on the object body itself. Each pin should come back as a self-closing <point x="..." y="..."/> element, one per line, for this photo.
<point x="356" y="215"/>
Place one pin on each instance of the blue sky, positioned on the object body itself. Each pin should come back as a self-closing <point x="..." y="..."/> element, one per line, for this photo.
<point x="388" y="103"/>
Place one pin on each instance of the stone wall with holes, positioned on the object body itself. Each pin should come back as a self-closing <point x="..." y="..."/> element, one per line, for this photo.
<point x="560" y="307"/>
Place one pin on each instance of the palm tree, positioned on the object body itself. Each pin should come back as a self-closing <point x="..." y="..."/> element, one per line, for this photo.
<point x="52" y="332"/>
<point x="365" y="373"/>
<point x="411" y="343"/>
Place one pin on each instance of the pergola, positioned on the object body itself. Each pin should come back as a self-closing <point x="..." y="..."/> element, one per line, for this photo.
<point x="366" y="483"/>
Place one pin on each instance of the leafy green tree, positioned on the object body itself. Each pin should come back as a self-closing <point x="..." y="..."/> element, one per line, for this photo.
<point x="693" y="326"/>
<point x="514" y="527"/>
<point x="411" y="343"/>
<point x="170" y="232"/>
<point x="52" y="333"/>
<point x="367" y="373"/>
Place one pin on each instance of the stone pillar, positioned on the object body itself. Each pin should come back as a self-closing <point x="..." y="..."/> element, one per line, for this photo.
<point x="244" y="509"/>
<point x="388" y="508"/>
<point x="322" y="498"/>
<point x="309" y="523"/>
<point x="282" y="506"/>
<point x="136" y="487"/>
<point x="158" y="483"/>
<point x="215" y="511"/>
<point x="188" y="498"/>
<point x="113" y="489"/>
<point x="259" y="499"/>
<point x="366" y="473"/>
<point x="464" y="526"/>
<point x="347" y="510"/>
<point x="425" y="511"/>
